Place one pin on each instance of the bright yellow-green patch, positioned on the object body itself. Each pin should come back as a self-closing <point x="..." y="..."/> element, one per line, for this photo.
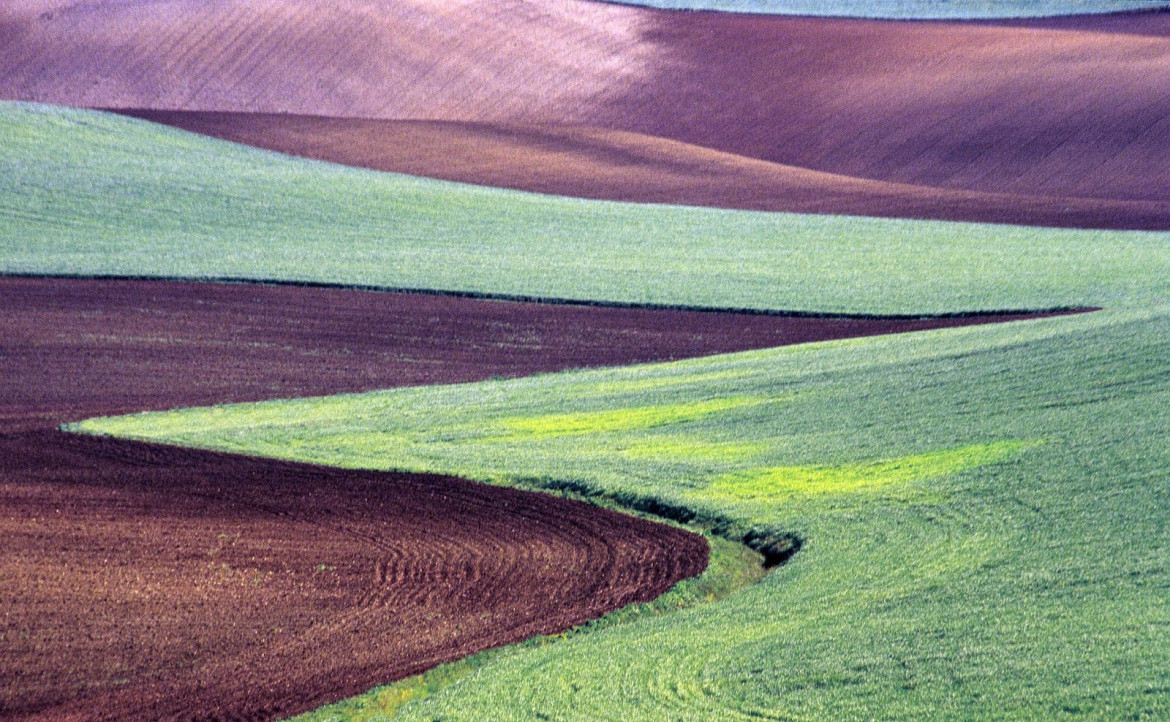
<point x="785" y="482"/>
<point x="687" y="448"/>
<point x="626" y="419"/>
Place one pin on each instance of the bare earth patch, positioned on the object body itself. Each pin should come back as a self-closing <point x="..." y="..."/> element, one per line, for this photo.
<point x="147" y="582"/>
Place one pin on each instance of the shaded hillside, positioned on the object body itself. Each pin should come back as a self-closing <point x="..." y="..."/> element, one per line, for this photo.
<point x="616" y="165"/>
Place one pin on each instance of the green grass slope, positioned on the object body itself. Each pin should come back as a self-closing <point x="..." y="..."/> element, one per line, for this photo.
<point x="83" y="192"/>
<point x="909" y="9"/>
<point x="982" y="509"/>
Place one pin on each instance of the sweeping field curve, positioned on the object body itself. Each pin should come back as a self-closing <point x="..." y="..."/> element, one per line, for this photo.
<point x="1062" y="109"/>
<point x="286" y="586"/>
<point x="981" y="509"/>
<point x="616" y="165"/>
<point x="145" y="582"/>
<point x="947" y="488"/>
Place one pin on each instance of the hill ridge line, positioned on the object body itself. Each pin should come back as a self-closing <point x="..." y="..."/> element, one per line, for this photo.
<point x="556" y="301"/>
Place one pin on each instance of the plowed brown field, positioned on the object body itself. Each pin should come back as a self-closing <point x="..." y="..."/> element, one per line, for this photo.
<point x="1063" y="109"/>
<point x="70" y="348"/>
<point x="144" y="581"/>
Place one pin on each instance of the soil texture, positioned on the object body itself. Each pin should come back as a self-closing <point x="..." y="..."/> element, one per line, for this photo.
<point x="72" y="348"/>
<point x="149" y="582"/>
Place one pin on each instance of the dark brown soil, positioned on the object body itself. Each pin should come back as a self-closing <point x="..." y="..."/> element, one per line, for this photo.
<point x="71" y="349"/>
<point x="1051" y="111"/>
<point x="147" y="582"/>
<point x="151" y="582"/>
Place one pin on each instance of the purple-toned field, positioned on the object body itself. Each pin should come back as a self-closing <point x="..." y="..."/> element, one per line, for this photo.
<point x="1059" y="122"/>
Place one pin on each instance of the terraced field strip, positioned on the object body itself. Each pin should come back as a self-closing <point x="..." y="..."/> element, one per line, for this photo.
<point x="68" y="342"/>
<point x="1071" y="108"/>
<point x="613" y="165"/>
<point x="148" y="581"/>
<point x="84" y="193"/>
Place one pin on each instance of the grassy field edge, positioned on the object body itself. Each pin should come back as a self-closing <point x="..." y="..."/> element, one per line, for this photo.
<point x="558" y="301"/>
<point x="732" y="567"/>
<point x="92" y="194"/>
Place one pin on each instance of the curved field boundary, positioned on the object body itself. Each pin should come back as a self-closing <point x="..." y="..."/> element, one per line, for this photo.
<point x="150" y="581"/>
<point x="1070" y="108"/>
<point x="765" y="341"/>
<point x="614" y="165"/>
<point x="946" y="487"/>
<point x="99" y="194"/>
<point x="908" y="9"/>
<point x="154" y="582"/>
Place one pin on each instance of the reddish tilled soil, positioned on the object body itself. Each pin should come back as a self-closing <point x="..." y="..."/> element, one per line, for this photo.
<point x="616" y="165"/>
<point x="143" y="581"/>
<point x="146" y="582"/>
<point x="1050" y="111"/>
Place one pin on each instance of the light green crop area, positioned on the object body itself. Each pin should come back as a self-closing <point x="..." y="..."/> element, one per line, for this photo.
<point x="89" y="193"/>
<point x="982" y="509"/>
<point x="910" y="9"/>
<point x="776" y="486"/>
<point x="628" y="419"/>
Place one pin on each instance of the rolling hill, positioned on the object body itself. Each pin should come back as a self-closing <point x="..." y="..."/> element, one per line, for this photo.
<point x="1057" y="109"/>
